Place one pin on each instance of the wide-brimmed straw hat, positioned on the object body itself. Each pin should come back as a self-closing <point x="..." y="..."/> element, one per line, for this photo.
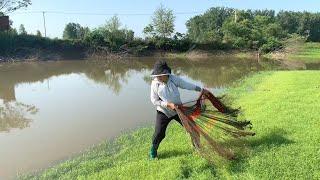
<point x="161" y="68"/>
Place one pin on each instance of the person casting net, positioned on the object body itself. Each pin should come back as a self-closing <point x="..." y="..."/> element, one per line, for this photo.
<point x="207" y="120"/>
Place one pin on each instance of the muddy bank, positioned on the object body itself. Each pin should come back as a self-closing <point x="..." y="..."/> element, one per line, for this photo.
<point x="48" y="55"/>
<point x="33" y="54"/>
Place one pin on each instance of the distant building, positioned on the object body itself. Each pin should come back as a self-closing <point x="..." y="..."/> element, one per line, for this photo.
<point x="4" y="23"/>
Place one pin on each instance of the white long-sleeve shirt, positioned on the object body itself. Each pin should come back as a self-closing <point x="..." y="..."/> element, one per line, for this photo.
<point x="162" y="93"/>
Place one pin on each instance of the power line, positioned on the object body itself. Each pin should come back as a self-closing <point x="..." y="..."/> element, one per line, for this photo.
<point x="101" y="14"/>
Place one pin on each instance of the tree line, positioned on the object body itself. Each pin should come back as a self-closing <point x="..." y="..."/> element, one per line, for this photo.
<point x="218" y="28"/>
<point x="262" y="29"/>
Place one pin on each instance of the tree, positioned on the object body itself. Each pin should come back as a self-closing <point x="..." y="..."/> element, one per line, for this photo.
<point x="315" y="29"/>
<point x="38" y="33"/>
<point x="95" y="38"/>
<point x="114" y="35"/>
<point x="71" y="31"/>
<point x="289" y="21"/>
<point x="310" y="26"/>
<point x="207" y="28"/>
<point x="22" y="30"/>
<point x="237" y="33"/>
<point x="149" y="31"/>
<point x="75" y="31"/>
<point x="113" y="24"/>
<point x="13" y="31"/>
<point x="8" y="6"/>
<point x="83" y="32"/>
<point x="162" y="23"/>
<point x="110" y="35"/>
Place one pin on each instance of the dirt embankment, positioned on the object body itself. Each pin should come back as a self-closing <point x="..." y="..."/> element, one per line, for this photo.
<point x="291" y="46"/>
<point x="46" y="55"/>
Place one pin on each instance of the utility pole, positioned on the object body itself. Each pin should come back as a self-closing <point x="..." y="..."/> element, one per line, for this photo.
<point x="44" y="24"/>
<point x="235" y="16"/>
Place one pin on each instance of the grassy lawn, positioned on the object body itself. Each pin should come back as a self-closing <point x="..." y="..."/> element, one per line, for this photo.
<point x="308" y="52"/>
<point x="284" y="108"/>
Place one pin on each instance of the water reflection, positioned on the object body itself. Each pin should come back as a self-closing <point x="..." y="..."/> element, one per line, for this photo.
<point x="110" y="74"/>
<point x="13" y="115"/>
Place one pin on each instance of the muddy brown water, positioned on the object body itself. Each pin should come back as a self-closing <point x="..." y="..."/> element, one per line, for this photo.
<point x="50" y="111"/>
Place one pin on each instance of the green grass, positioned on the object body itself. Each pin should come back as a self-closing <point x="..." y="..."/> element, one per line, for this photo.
<point x="309" y="52"/>
<point x="284" y="109"/>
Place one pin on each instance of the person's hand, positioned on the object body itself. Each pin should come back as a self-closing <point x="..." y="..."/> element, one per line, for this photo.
<point x="171" y="105"/>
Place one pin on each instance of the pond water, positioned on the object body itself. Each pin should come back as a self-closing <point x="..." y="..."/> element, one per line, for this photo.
<point x="50" y="111"/>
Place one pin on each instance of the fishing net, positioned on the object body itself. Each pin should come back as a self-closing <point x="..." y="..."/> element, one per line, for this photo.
<point x="212" y="125"/>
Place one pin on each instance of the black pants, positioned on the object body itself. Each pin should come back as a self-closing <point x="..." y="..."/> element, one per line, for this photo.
<point x="162" y="122"/>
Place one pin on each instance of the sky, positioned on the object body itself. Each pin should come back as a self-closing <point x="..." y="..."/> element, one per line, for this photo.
<point x="134" y="14"/>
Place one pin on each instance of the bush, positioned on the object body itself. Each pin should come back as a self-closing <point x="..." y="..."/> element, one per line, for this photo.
<point x="13" y="44"/>
<point x="272" y="44"/>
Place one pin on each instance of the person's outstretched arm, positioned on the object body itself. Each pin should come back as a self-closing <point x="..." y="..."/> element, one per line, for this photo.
<point x="184" y="84"/>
